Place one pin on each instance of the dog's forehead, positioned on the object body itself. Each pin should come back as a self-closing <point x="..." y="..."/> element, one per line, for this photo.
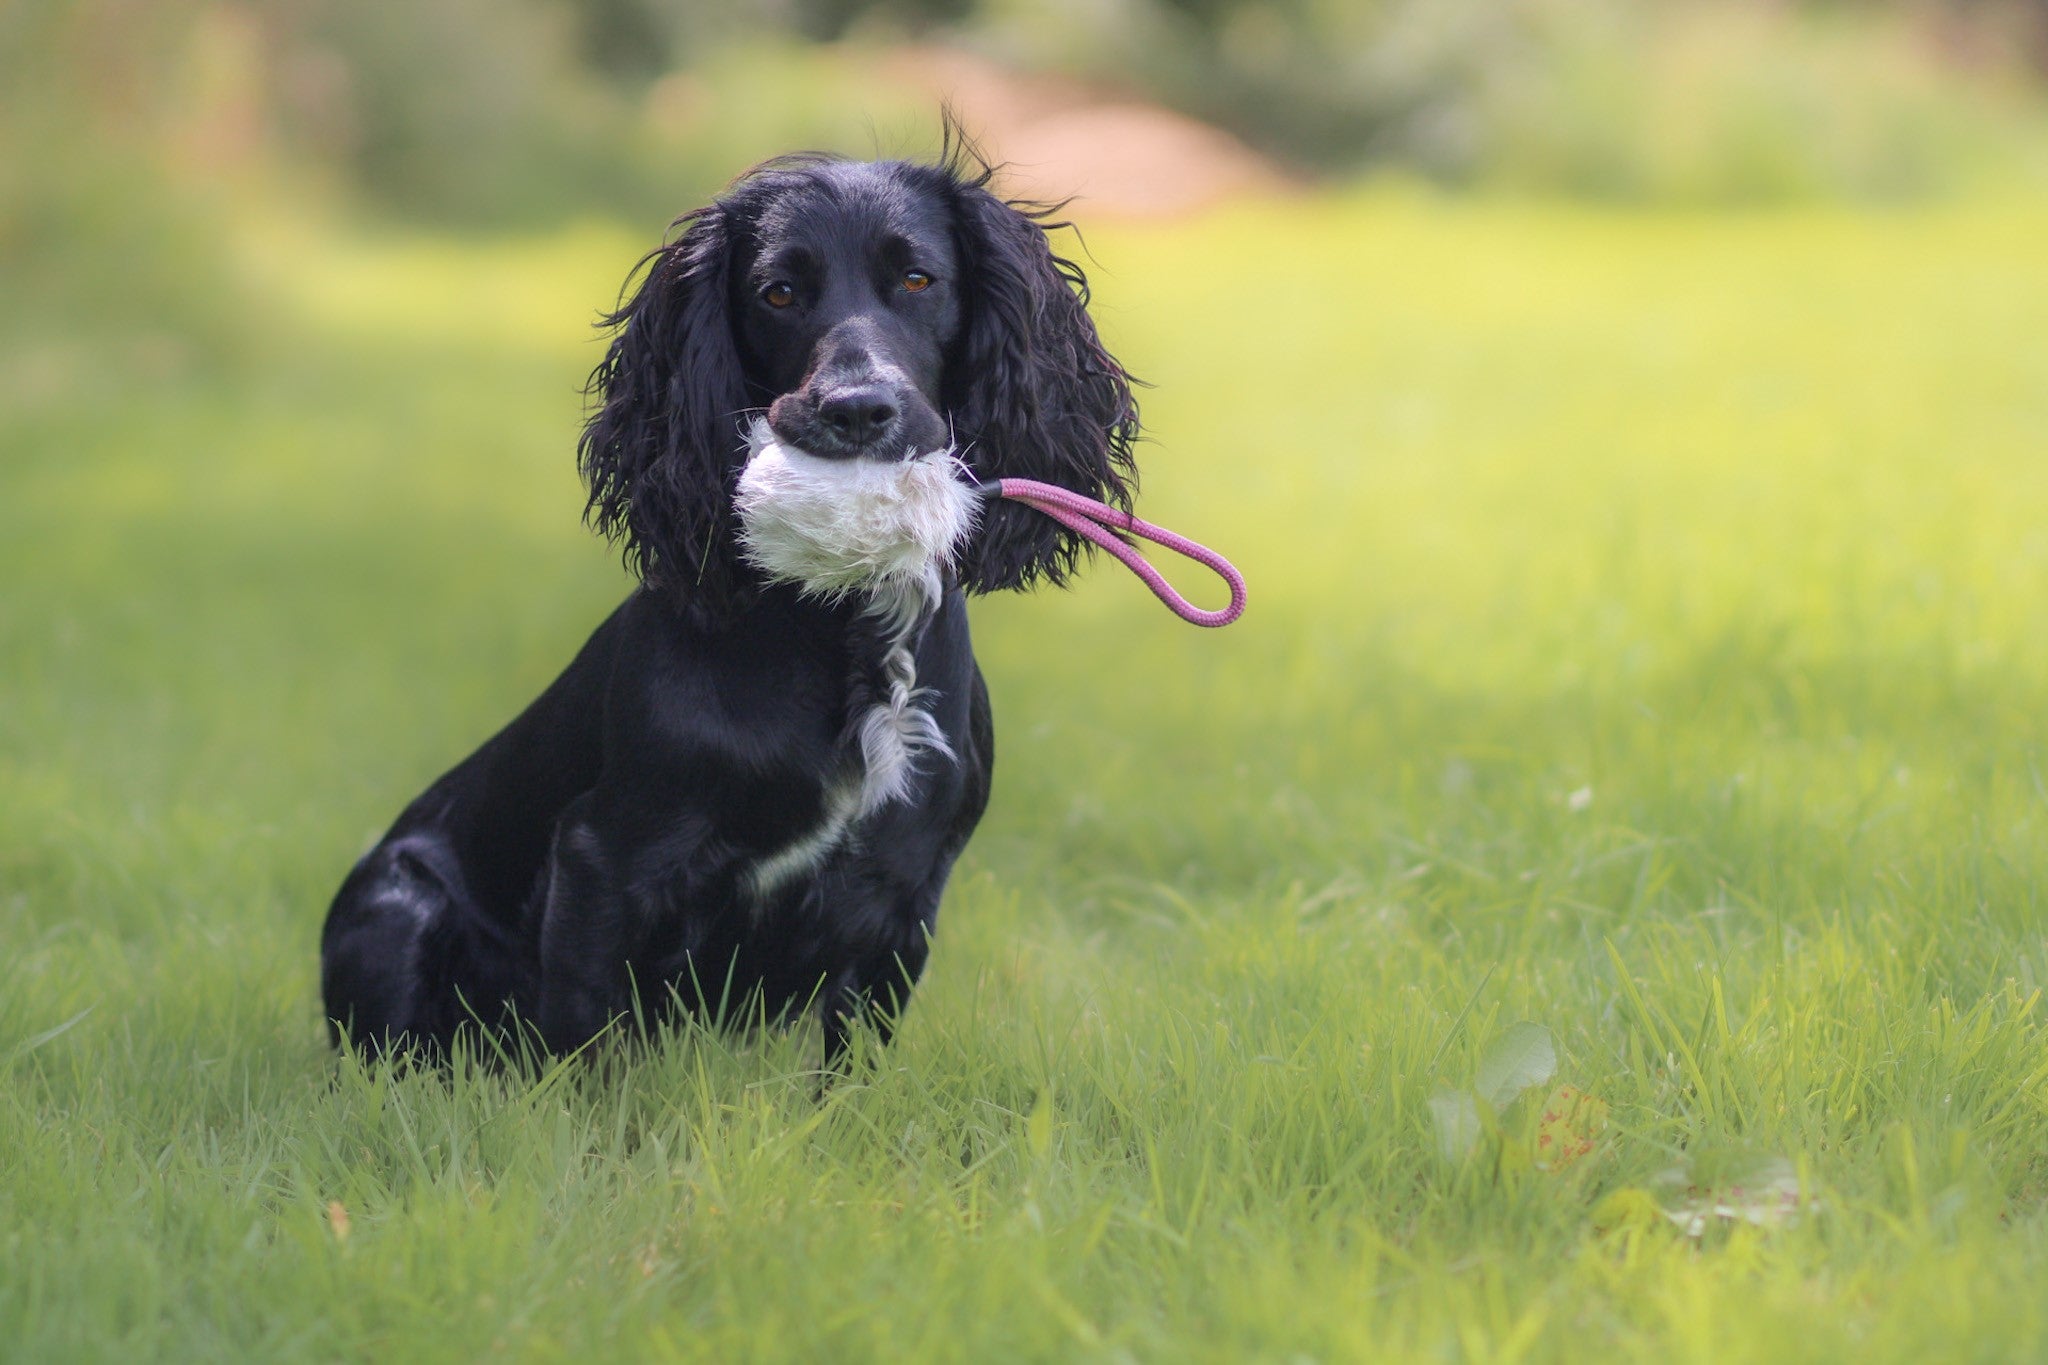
<point x="853" y="205"/>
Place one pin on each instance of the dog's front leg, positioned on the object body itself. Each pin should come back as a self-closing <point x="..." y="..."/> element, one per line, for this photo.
<point x="586" y="936"/>
<point x="875" y="990"/>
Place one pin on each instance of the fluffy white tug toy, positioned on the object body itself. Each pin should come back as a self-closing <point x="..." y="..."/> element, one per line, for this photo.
<point x="885" y="529"/>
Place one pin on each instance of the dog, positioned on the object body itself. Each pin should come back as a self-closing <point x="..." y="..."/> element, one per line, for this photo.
<point x="744" y="796"/>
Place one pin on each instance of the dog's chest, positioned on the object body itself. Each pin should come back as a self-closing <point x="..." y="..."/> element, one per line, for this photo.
<point x="888" y="735"/>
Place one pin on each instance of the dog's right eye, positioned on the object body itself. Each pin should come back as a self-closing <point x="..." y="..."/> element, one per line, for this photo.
<point x="780" y="294"/>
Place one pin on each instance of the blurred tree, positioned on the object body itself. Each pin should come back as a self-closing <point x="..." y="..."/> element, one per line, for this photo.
<point x="509" y="111"/>
<point x="628" y="39"/>
<point x="103" y="225"/>
<point x="831" y="20"/>
<point x="460" y="109"/>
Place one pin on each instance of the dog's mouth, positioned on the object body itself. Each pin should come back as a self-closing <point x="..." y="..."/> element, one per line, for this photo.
<point x="885" y="524"/>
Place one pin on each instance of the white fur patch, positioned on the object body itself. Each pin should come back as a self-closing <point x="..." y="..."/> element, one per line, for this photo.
<point x="802" y="855"/>
<point x="837" y="527"/>
<point x="894" y="732"/>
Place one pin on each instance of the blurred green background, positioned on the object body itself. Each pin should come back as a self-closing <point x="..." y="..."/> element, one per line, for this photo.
<point x="129" y="127"/>
<point x="1630" y="419"/>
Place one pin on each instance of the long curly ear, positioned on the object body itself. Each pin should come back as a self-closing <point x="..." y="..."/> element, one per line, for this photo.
<point x="662" y="449"/>
<point x="1033" y="394"/>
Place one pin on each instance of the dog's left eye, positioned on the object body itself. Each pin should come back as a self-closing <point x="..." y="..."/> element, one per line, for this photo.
<point x="914" y="280"/>
<point x="779" y="294"/>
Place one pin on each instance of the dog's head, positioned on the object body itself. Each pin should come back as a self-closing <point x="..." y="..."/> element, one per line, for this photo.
<point x="856" y="314"/>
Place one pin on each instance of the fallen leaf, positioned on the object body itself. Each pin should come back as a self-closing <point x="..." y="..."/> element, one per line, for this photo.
<point x="1571" y="1122"/>
<point x="1038" y="1126"/>
<point x="1627" y="1208"/>
<point x="1457" y="1122"/>
<point x="1523" y="1056"/>
<point x="337" y="1220"/>
<point x="1763" y="1192"/>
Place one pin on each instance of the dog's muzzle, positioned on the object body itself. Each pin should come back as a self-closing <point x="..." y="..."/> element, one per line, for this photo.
<point x="875" y="415"/>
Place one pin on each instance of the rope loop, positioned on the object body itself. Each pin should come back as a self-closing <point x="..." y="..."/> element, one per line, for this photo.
<point x="1088" y="518"/>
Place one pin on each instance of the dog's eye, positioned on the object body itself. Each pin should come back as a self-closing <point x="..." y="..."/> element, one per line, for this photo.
<point x="780" y="294"/>
<point x="914" y="280"/>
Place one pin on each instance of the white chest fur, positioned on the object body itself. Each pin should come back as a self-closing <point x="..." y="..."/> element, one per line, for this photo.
<point x="890" y="735"/>
<point x="803" y="854"/>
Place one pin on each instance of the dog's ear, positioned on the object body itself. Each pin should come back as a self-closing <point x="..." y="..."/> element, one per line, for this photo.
<point x="1033" y="394"/>
<point x="663" y="447"/>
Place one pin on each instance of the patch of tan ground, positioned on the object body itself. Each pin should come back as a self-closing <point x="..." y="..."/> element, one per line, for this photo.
<point x="1060" y="138"/>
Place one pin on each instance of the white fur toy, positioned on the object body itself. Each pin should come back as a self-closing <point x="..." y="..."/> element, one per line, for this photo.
<point x="838" y="527"/>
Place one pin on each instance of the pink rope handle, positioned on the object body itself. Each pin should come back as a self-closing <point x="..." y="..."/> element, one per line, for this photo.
<point x="1086" y="517"/>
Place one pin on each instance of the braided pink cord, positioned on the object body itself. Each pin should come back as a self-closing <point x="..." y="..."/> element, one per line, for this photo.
<point x="1086" y="517"/>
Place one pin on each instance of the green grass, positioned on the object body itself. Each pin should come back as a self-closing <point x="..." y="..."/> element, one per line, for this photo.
<point x="1645" y="640"/>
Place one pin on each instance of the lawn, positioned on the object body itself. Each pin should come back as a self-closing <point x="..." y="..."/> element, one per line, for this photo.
<point x="1646" y="642"/>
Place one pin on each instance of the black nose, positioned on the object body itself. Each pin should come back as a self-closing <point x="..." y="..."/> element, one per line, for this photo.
<point x="860" y="416"/>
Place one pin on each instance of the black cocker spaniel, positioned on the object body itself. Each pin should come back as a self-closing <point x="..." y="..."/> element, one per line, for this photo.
<point x="747" y="790"/>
